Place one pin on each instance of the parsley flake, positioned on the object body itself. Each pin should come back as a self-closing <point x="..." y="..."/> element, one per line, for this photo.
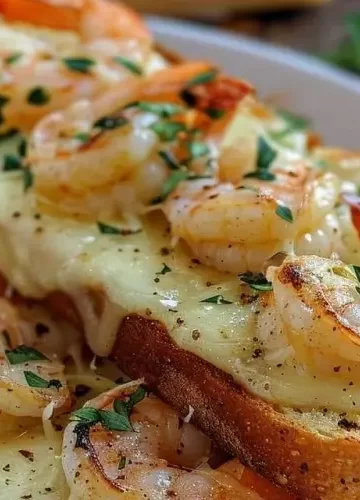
<point x="265" y="154"/>
<point x="202" y="78"/>
<point x="128" y="64"/>
<point x="38" y="96"/>
<point x="111" y="123"/>
<point x="12" y="163"/>
<point x="169" y="159"/>
<point x="122" y="463"/>
<point x="358" y="289"/>
<point x="108" y="229"/>
<point x="166" y="269"/>
<point x="13" y="58"/>
<point x="217" y="299"/>
<point x="215" y="114"/>
<point x="198" y="149"/>
<point x="356" y="271"/>
<point x="256" y="281"/>
<point x="293" y="122"/>
<point x="79" y="64"/>
<point x="285" y="213"/>
<point x="162" y="109"/>
<point x="23" y="354"/>
<point x="168" y="131"/>
<point x="28" y="178"/>
<point x="34" y="380"/>
<point x="170" y="184"/>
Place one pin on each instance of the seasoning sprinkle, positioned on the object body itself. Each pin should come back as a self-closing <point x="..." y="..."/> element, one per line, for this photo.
<point x="130" y="65"/>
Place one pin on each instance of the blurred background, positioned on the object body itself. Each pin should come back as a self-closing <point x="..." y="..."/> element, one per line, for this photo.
<point x="328" y="28"/>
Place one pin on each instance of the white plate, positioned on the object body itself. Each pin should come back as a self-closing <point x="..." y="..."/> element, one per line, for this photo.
<point x="302" y="83"/>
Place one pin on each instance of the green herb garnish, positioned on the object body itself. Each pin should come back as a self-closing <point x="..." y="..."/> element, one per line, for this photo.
<point x="285" y="213"/>
<point x="215" y="114"/>
<point x="293" y="122"/>
<point x="114" y="420"/>
<point x="265" y="156"/>
<point x="28" y="178"/>
<point x="22" y="148"/>
<point x="135" y="398"/>
<point x="168" y="131"/>
<point x="108" y="229"/>
<point x="82" y="136"/>
<point x="171" y="184"/>
<point x="128" y="64"/>
<point x="3" y="100"/>
<point x="12" y="163"/>
<point x="79" y="64"/>
<point x="34" y="380"/>
<point x="198" y="149"/>
<point x="38" y="96"/>
<point x="256" y="281"/>
<point x="356" y="271"/>
<point x="166" y="269"/>
<point x="13" y="58"/>
<point x="23" y="354"/>
<point x="122" y="463"/>
<point x="169" y="159"/>
<point x="217" y="299"/>
<point x="86" y="415"/>
<point x="202" y="78"/>
<point x="162" y="109"/>
<point x="11" y="132"/>
<point x="111" y="123"/>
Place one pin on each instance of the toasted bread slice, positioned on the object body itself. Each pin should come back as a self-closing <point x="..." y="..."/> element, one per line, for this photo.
<point x="313" y="454"/>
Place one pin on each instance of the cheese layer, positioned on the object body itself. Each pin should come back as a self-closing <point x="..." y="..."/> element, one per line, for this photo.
<point x="142" y="274"/>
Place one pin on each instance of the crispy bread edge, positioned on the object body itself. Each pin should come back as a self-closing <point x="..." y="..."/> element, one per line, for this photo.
<point x="310" y="465"/>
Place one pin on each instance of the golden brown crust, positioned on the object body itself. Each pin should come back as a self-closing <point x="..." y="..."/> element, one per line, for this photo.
<point x="311" y="465"/>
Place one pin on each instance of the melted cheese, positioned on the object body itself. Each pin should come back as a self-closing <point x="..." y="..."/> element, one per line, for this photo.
<point x="42" y="255"/>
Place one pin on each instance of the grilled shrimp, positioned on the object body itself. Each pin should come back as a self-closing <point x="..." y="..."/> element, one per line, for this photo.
<point x="237" y="228"/>
<point x="97" y="45"/>
<point x="317" y="303"/>
<point x="124" y="444"/>
<point x="119" y="153"/>
<point x="29" y="380"/>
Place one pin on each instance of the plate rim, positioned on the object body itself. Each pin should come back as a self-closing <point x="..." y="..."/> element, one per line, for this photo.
<point x="287" y="57"/>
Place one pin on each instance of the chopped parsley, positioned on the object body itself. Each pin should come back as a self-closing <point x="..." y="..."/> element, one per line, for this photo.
<point x="198" y="149"/>
<point x="170" y="184"/>
<point x="216" y="299"/>
<point x="34" y="380"/>
<point x="3" y="100"/>
<point x="38" y="96"/>
<point x="23" y="354"/>
<point x="12" y="163"/>
<point x="162" y="109"/>
<point x="285" y="213"/>
<point x="356" y="271"/>
<point x="168" y="131"/>
<point x="202" y="78"/>
<point x="128" y="64"/>
<point x="169" y="159"/>
<point x="82" y="136"/>
<point x="256" y="281"/>
<point x="111" y="123"/>
<point x="13" y="58"/>
<point x="28" y="178"/>
<point x="117" y="419"/>
<point x="11" y="132"/>
<point x="215" y="114"/>
<point x="108" y="229"/>
<point x="166" y="269"/>
<point x="79" y="64"/>
<point x="265" y="156"/>
<point x="358" y="289"/>
<point x="22" y="148"/>
<point x="122" y="463"/>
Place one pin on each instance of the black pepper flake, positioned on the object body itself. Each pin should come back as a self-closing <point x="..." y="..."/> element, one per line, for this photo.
<point x="179" y="321"/>
<point x="16" y="214"/>
<point x="6" y="468"/>
<point x="81" y="390"/>
<point x="348" y="425"/>
<point x="27" y="454"/>
<point x="164" y="251"/>
<point x="27" y="496"/>
<point x="257" y="353"/>
<point x="41" y="329"/>
<point x="337" y="369"/>
<point x="304" y="468"/>
<point x="157" y="280"/>
<point x="195" y="334"/>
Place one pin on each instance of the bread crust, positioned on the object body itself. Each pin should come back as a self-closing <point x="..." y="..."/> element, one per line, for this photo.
<point x="310" y="465"/>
